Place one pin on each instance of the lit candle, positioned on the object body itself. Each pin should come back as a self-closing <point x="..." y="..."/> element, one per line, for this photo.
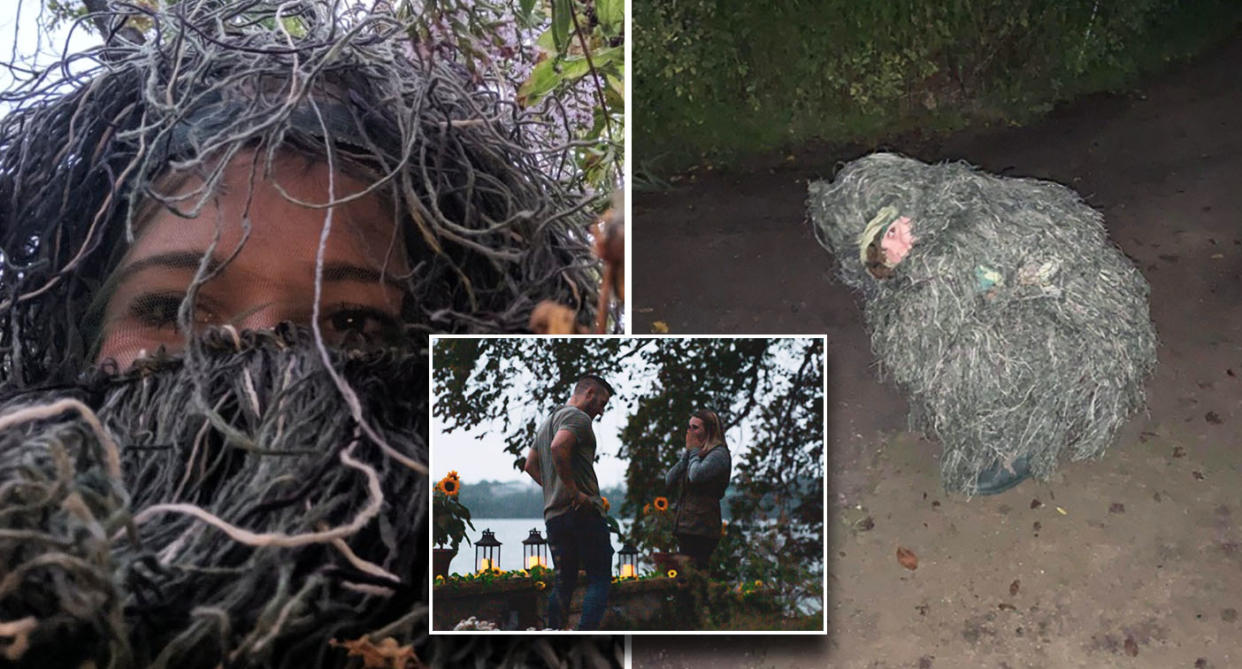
<point x="485" y="565"/>
<point x="627" y="571"/>
<point x="534" y="561"/>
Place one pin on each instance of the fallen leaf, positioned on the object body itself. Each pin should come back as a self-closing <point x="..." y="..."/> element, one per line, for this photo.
<point x="1006" y="607"/>
<point x="1035" y="504"/>
<point x="1131" y="647"/>
<point x="1037" y="526"/>
<point x="1061" y="511"/>
<point x="1197" y="474"/>
<point x="383" y="655"/>
<point x="907" y="558"/>
<point x="1179" y="452"/>
<point x="865" y="524"/>
<point x="1230" y="372"/>
<point x="659" y="327"/>
<point x="1013" y="587"/>
<point x="1116" y="507"/>
<point x="1213" y="418"/>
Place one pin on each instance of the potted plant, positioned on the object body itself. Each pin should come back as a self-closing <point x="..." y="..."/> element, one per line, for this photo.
<point x="449" y="521"/>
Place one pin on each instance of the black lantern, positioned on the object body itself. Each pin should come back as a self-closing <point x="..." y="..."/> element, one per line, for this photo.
<point x="487" y="552"/>
<point x="535" y="550"/>
<point x="627" y="561"/>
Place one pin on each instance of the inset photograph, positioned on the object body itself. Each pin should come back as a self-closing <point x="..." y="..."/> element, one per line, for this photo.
<point x="628" y="485"/>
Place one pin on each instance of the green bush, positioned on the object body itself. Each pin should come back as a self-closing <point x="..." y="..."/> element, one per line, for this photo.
<point x="722" y="79"/>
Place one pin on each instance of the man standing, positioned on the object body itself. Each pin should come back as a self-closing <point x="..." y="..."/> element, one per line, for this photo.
<point x="562" y="462"/>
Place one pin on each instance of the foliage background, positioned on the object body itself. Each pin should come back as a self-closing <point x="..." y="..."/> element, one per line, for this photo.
<point x="774" y="386"/>
<point x="716" y="80"/>
<point x="567" y="55"/>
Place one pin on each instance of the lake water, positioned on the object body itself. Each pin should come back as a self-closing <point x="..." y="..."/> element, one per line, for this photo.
<point x="510" y="532"/>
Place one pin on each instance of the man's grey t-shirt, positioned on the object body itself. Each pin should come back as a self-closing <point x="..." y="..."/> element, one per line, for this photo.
<point x="556" y="498"/>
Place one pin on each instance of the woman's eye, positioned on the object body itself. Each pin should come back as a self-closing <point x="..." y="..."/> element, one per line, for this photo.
<point x="159" y="311"/>
<point x="153" y="317"/>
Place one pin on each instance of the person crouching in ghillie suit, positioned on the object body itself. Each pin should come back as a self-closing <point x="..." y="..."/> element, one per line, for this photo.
<point x="222" y="253"/>
<point x="700" y="478"/>
<point x="1020" y="332"/>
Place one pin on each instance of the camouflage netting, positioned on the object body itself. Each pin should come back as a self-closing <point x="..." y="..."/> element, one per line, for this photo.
<point x="1014" y="324"/>
<point x="260" y="496"/>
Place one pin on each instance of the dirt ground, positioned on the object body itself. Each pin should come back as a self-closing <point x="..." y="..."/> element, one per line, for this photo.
<point x="1144" y="567"/>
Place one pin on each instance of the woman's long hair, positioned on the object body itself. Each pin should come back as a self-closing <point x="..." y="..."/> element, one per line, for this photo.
<point x="715" y="431"/>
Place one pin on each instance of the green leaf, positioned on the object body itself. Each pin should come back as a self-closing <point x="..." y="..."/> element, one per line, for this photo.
<point x="526" y="7"/>
<point x="611" y="14"/>
<point x="545" y="41"/>
<point x="543" y="79"/>
<point x="573" y="69"/>
<point x="561" y="20"/>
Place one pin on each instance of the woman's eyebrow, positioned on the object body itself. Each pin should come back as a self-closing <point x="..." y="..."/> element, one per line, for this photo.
<point x="341" y="271"/>
<point x="173" y="260"/>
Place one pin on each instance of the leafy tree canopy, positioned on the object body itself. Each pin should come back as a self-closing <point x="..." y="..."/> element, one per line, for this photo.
<point x="773" y="387"/>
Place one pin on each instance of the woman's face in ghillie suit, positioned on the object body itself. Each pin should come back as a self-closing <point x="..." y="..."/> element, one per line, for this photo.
<point x="868" y="215"/>
<point x="272" y="489"/>
<point x="260" y="251"/>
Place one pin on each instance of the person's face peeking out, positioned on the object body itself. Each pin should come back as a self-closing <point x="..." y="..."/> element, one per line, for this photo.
<point x="272" y="277"/>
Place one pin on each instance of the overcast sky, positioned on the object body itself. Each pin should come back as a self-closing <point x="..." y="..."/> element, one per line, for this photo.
<point x="22" y="43"/>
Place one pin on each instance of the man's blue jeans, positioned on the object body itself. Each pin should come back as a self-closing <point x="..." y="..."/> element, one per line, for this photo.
<point x="579" y="538"/>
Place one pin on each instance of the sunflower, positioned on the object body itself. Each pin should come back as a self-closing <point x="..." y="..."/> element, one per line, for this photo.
<point x="758" y="583"/>
<point x="540" y="585"/>
<point x="453" y="475"/>
<point x="672" y="573"/>
<point x="439" y="578"/>
<point x="440" y="486"/>
<point x="449" y="486"/>
<point x="661" y="504"/>
<point x="607" y="506"/>
<point x="646" y="509"/>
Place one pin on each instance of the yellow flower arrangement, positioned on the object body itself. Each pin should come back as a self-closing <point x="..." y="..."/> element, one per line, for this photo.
<point x="439" y="578"/>
<point x="661" y="504"/>
<point x="758" y="583"/>
<point x="540" y="585"/>
<point x="672" y="573"/>
<point x="450" y="517"/>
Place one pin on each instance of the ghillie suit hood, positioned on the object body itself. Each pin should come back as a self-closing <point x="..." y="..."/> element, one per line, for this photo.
<point x="1014" y="323"/>
<point x="253" y="498"/>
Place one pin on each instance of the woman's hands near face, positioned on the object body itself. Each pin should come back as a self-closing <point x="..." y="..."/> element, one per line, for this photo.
<point x="696" y="435"/>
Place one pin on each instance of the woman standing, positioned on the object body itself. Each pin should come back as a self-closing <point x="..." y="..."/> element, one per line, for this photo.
<point x="701" y="477"/>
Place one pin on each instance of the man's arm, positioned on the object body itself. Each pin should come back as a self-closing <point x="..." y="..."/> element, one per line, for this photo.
<point x="562" y="447"/>
<point x="533" y="467"/>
